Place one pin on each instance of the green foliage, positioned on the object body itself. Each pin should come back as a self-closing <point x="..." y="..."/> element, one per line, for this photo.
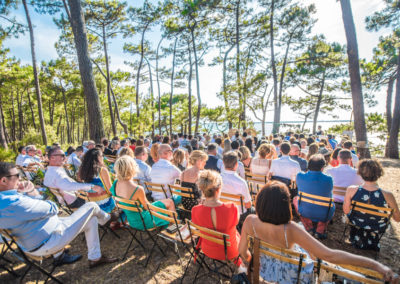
<point x="7" y="155"/>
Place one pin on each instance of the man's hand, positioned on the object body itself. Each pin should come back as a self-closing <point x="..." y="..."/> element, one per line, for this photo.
<point x="98" y="189"/>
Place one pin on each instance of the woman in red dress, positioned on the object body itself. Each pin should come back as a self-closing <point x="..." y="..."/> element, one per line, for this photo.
<point x="215" y="215"/>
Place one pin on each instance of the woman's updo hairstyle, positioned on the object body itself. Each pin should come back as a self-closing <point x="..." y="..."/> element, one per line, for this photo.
<point x="263" y="150"/>
<point x="197" y="155"/>
<point x="209" y="182"/>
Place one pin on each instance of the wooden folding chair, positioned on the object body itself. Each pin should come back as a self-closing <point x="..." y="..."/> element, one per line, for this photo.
<point x="30" y="260"/>
<point x="70" y="170"/>
<point x="156" y="187"/>
<point x="379" y="213"/>
<point x="5" y="262"/>
<point x="197" y="234"/>
<point x="61" y="201"/>
<point x="254" y="189"/>
<point x="350" y="272"/>
<point x="185" y="192"/>
<point x="281" y="254"/>
<point x="256" y="178"/>
<point x="171" y="217"/>
<point x="236" y="199"/>
<point x="134" y="206"/>
<point x="339" y="191"/>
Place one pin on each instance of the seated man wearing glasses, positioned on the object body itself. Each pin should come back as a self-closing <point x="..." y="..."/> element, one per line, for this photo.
<point x="37" y="228"/>
<point x="57" y="177"/>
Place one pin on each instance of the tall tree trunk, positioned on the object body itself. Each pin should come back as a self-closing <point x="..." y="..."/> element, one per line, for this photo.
<point x="224" y="88"/>
<point x="20" y="117"/>
<point x="393" y="145"/>
<point x="152" y="97"/>
<point x="355" y="80"/>
<point x="31" y="108"/>
<point x="172" y="85"/>
<point x="3" y="142"/>
<point x="238" y="80"/>
<point x="12" y="115"/>
<point x="35" y="74"/>
<point x="158" y="87"/>
<point x="66" y="114"/>
<point x="95" y="118"/>
<point x="276" y="124"/>
<point x="318" y="105"/>
<point x="389" y="112"/>
<point x="113" y="127"/>
<point x="138" y="73"/>
<point x="190" y="90"/>
<point x="196" y="64"/>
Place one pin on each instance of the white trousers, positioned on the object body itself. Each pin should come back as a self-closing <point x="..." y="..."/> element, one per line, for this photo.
<point x="85" y="219"/>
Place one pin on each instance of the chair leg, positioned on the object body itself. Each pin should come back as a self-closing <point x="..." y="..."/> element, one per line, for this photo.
<point x="187" y="266"/>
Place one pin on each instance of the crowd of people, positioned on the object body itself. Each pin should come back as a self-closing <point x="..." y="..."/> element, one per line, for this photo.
<point x="209" y="165"/>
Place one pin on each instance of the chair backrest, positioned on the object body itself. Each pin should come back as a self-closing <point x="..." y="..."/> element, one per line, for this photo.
<point x="58" y="194"/>
<point x="381" y="212"/>
<point x="236" y="199"/>
<point x="86" y="196"/>
<point x="356" y="273"/>
<point x="256" y="178"/>
<point x="209" y="235"/>
<point x="181" y="191"/>
<point x="156" y="187"/>
<point x="316" y="200"/>
<point x="281" y="254"/>
<point x="339" y="190"/>
<point x="111" y="158"/>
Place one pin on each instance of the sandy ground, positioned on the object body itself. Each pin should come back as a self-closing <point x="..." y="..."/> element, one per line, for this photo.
<point x="170" y="269"/>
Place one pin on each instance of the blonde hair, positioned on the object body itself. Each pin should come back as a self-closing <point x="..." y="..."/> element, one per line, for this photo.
<point x="178" y="157"/>
<point x="125" y="168"/>
<point x="127" y="152"/>
<point x="197" y="155"/>
<point x="264" y="150"/>
<point x="154" y="152"/>
<point x="245" y="152"/>
<point x="209" y="182"/>
<point x="227" y="145"/>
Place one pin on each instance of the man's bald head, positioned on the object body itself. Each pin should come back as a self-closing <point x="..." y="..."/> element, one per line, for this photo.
<point x="294" y="150"/>
<point x="165" y="152"/>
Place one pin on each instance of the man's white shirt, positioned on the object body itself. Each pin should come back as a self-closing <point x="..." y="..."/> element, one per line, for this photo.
<point x="234" y="184"/>
<point x="285" y="167"/>
<point x="163" y="172"/>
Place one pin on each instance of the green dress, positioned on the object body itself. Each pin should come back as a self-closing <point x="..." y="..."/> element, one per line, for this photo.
<point x="134" y="217"/>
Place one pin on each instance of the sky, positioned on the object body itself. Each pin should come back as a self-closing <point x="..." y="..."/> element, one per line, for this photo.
<point x="329" y="23"/>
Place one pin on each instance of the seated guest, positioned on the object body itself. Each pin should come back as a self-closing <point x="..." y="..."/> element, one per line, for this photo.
<point x="273" y="224"/>
<point x="94" y="172"/>
<point x="213" y="162"/>
<point x="90" y="145"/>
<point x="227" y="146"/>
<point x="21" y="156"/>
<point x="315" y="218"/>
<point x="163" y="171"/>
<point x="249" y="144"/>
<point x="366" y="236"/>
<point x="215" y="215"/>
<point x="57" y="177"/>
<point x="153" y="157"/>
<point x="220" y="150"/>
<point x="178" y="159"/>
<point x="285" y="167"/>
<point x="115" y="145"/>
<point x="189" y="177"/>
<point x="261" y="165"/>
<point x="294" y="155"/>
<point x="343" y="175"/>
<point x="233" y="183"/>
<point x="31" y="159"/>
<point x="334" y="162"/>
<point x="143" y="173"/>
<point x="240" y="168"/>
<point x="246" y="156"/>
<point x="354" y="159"/>
<point x="132" y="144"/>
<point x="312" y="149"/>
<point x="126" y="151"/>
<point x="107" y="149"/>
<point x="38" y="229"/>
<point x="124" y="144"/>
<point x="124" y="186"/>
<point x="75" y="158"/>
<point x="194" y="143"/>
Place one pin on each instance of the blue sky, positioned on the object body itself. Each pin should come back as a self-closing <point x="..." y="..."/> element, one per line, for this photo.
<point x="329" y="23"/>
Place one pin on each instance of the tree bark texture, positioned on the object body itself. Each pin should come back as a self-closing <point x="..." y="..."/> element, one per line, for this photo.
<point x="3" y="142"/>
<point x="172" y="86"/>
<point x="276" y="123"/>
<point x="393" y="145"/>
<point x="389" y="97"/>
<point x="318" y="105"/>
<point x="95" y="118"/>
<point x="35" y="74"/>
<point x="158" y="87"/>
<point x="190" y="90"/>
<point x="355" y="79"/>
<point x="196" y="64"/>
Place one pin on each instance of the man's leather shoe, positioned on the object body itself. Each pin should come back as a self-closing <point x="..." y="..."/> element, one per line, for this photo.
<point x="103" y="260"/>
<point x="66" y="258"/>
<point x="113" y="217"/>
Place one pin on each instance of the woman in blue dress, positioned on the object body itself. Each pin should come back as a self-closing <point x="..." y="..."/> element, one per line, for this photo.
<point x="93" y="170"/>
<point x="273" y="224"/>
<point x="365" y="234"/>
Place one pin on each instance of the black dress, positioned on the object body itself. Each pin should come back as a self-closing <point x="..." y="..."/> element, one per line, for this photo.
<point x="189" y="203"/>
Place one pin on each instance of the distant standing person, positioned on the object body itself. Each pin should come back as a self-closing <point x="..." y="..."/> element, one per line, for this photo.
<point x="320" y="131"/>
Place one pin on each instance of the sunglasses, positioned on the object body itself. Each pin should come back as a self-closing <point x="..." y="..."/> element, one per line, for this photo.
<point x="61" y="155"/>
<point x="15" y="175"/>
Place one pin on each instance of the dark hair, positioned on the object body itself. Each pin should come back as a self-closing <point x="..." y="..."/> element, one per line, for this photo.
<point x="218" y="140"/>
<point x="5" y="169"/>
<point x="316" y="163"/>
<point x="310" y="140"/>
<point x="276" y="141"/>
<point x="235" y="145"/>
<point x="230" y="159"/>
<point x="105" y="142"/>
<point x="165" y="140"/>
<point x="123" y="142"/>
<point x="79" y="149"/>
<point x="335" y="153"/>
<point x="116" y="138"/>
<point x="347" y="144"/>
<point x="211" y="147"/>
<point x="345" y="154"/>
<point x="249" y="144"/>
<point x="70" y="150"/>
<point x="51" y="151"/>
<point x="139" y="150"/>
<point x="90" y="166"/>
<point x="273" y="204"/>
<point x="285" y="148"/>
<point x="20" y="148"/>
<point x="140" y="142"/>
<point x="370" y="169"/>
